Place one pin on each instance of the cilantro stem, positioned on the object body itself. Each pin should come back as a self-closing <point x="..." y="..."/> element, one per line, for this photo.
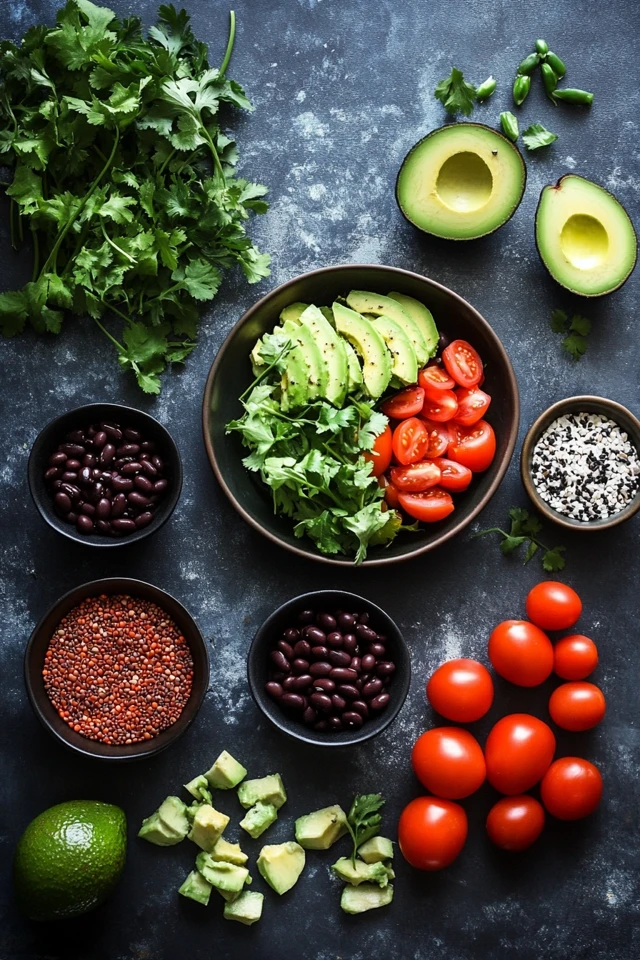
<point x="232" y="36"/>
<point x="115" y="245"/>
<point x="527" y="536"/>
<point x="36" y="253"/>
<point x="168" y="160"/>
<point x="214" y="152"/>
<point x="119" y="346"/>
<point x="263" y="374"/>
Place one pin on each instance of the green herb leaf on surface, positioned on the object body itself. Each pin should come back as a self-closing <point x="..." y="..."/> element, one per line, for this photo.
<point x="577" y="329"/>
<point x="363" y="820"/>
<point x="537" y="136"/>
<point x="524" y="529"/>
<point x="456" y="95"/>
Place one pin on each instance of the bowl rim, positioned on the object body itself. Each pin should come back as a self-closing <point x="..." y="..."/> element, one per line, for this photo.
<point x="382" y="560"/>
<point x="305" y="736"/>
<point x="574" y="405"/>
<point x="70" y="532"/>
<point x="140" y="751"/>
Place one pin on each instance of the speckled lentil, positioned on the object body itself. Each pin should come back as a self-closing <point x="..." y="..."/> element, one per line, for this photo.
<point x="118" y="670"/>
<point x="585" y="467"/>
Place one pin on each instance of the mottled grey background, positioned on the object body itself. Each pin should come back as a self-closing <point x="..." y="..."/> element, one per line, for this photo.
<point x="343" y="88"/>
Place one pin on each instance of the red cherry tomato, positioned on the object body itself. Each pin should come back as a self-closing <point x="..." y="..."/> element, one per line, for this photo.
<point x="474" y="447"/>
<point x="449" y="762"/>
<point x="380" y="455"/>
<point x="390" y="493"/>
<point x="462" y="363"/>
<point x="574" y="657"/>
<point x="429" y="506"/>
<point x="571" y="788"/>
<point x="473" y="403"/>
<point x="433" y="379"/>
<point x="514" y="823"/>
<point x="461" y="690"/>
<point x="415" y="477"/>
<point x="518" y="752"/>
<point x="410" y="441"/>
<point x="521" y="653"/>
<point x="432" y="832"/>
<point x="453" y="475"/>
<point x="439" y="439"/>
<point x="441" y="408"/>
<point x="407" y="403"/>
<point x="577" y="706"/>
<point x="553" y="605"/>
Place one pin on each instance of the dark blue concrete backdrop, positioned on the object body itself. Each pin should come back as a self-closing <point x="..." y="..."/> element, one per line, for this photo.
<point x="343" y="88"/>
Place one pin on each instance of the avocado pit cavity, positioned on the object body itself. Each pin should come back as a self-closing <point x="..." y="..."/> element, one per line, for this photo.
<point x="584" y="241"/>
<point x="464" y="182"/>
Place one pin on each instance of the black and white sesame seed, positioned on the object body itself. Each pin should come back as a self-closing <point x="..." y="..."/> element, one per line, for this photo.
<point x="585" y="467"/>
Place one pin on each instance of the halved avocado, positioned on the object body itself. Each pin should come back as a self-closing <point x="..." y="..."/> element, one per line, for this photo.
<point x="461" y="182"/>
<point x="376" y="369"/>
<point x="585" y="237"/>
<point x="364" y="301"/>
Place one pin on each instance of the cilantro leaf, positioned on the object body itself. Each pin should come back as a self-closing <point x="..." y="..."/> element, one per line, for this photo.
<point x="456" y="95"/>
<point x="537" y="136"/>
<point x="559" y="321"/>
<point x="553" y="559"/>
<point x="363" y="820"/>
<point x="580" y="324"/>
<point x="524" y="529"/>
<point x="576" y="330"/>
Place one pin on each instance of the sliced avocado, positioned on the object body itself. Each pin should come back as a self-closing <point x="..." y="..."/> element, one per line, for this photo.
<point x="319" y="374"/>
<point x="365" y="897"/>
<point x="333" y="353"/>
<point x="168" y="825"/>
<point x="327" y="314"/>
<point x="267" y="789"/>
<point x="295" y="380"/>
<point x="376" y="370"/>
<point x="364" y="301"/>
<point x="461" y="181"/>
<point x="195" y="887"/>
<point x="360" y="872"/>
<point x="259" y="818"/>
<point x="226" y="772"/>
<point x="404" y="365"/>
<point x="585" y="237"/>
<point x="223" y="876"/>
<point x="375" y="850"/>
<point x="293" y="311"/>
<point x="354" y="369"/>
<point x="320" y="829"/>
<point x="422" y="317"/>
<point x="281" y="864"/>
<point x="229" y="852"/>
<point x="199" y="788"/>
<point x="247" y="908"/>
<point x="208" y="826"/>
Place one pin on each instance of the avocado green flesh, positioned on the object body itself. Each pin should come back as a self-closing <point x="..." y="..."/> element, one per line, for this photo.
<point x="363" y="301"/>
<point x="365" y="897"/>
<point x="404" y="365"/>
<point x="422" y="317"/>
<point x="295" y="380"/>
<point x="363" y="336"/>
<point x="354" y="369"/>
<point x="584" y="237"/>
<point x="293" y="311"/>
<point x="246" y="908"/>
<point x="332" y="351"/>
<point x="281" y="864"/>
<point x="319" y="374"/>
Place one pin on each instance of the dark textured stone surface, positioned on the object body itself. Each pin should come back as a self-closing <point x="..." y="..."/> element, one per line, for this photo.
<point x="343" y="88"/>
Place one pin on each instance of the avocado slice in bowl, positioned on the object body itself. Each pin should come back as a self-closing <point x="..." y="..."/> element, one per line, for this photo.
<point x="585" y="237"/>
<point x="461" y="182"/>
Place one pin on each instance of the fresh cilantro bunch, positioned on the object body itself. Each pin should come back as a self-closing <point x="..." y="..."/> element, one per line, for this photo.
<point x="524" y="529"/>
<point x="124" y="179"/>
<point x="576" y="331"/>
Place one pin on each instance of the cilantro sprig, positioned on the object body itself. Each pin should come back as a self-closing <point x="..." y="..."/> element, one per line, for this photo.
<point x="363" y="821"/>
<point x="455" y="94"/>
<point x="524" y="529"/>
<point x="575" y="329"/>
<point x="124" y="180"/>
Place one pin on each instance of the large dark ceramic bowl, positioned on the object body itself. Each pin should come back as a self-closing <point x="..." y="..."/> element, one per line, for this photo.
<point x="39" y="643"/>
<point x="231" y="374"/>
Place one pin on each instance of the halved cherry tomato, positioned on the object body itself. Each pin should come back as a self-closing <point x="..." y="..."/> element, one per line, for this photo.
<point x="410" y="441"/>
<point x="473" y="403"/>
<point x="474" y="447"/>
<point x="415" y="477"/>
<point x="380" y="455"/>
<point x="429" y="506"/>
<point x="442" y="408"/>
<point x="407" y="403"/>
<point x="391" y="496"/>
<point x="462" y="363"/>
<point x="433" y="379"/>
<point x="439" y="439"/>
<point x="453" y="475"/>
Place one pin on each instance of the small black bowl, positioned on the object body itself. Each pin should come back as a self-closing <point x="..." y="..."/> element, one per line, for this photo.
<point x="39" y="643"/>
<point x="285" y="616"/>
<point x="50" y="436"/>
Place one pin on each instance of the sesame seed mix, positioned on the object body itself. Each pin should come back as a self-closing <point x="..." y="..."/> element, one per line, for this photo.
<point x="585" y="467"/>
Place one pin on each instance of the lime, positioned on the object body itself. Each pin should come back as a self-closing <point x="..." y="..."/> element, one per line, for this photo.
<point x="70" y="858"/>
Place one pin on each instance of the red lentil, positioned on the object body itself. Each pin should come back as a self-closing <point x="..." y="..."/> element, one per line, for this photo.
<point x="118" y="670"/>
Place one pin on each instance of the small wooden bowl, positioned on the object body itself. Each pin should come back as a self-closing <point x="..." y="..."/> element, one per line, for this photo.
<point x="586" y="404"/>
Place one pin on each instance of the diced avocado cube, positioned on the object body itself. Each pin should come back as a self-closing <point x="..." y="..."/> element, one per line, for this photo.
<point x="259" y="818"/>
<point x="195" y="887"/>
<point x="168" y="825"/>
<point x="376" y="849"/>
<point x="365" y="897"/>
<point x="281" y="864"/>
<point x="199" y="788"/>
<point x="226" y="772"/>
<point x="360" y="872"/>
<point x="222" y="875"/>
<point x="321" y="829"/>
<point x="268" y="790"/>
<point x="208" y="826"/>
<point x="390" y="871"/>
<point x="247" y="908"/>
<point x="230" y="852"/>
<point x="192" y="809"/>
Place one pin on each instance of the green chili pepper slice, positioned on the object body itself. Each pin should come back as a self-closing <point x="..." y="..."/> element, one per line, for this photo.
<point x="556" y="65"/>
<point x="485" y="89"/>
<point x="569" y="95"/>
<point x="542" y="47"/>
<point x="549" y="79"/>
<point x="509" y="124"/>
<point x="521" y="88"/>
<point x="528" y="65"/>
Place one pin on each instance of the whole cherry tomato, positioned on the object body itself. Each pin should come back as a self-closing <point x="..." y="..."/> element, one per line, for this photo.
<point x="577" y="706"/>
<point x="410" y="441"/>
<point x="461" y="690"/>
<point x="474" y="447"/>
<point x="454" y="476"/>
<point x="407" y="403"/>
<point x="390" y="493"/>
<point x="571" y="788"/>
<point x="432" y="832"/>
<point x="518" y="752"/>
<point x="462" y="363"/>
<point x="521" y="653"/>
<point x="553" y="605"/>
<point x="514" y="823"/>
<point x="575" y="657"/>
<point x="473" y="403"/>
<point x="380" y="455"/>
<point x="449" y="762"/>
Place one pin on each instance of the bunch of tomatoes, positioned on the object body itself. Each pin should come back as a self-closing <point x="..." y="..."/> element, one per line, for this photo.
<point x="440" y="438"/>
<point x="519" y="751"/>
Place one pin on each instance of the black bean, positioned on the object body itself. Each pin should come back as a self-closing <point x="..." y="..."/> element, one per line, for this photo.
<point x="368" y="661"/>
<point x="386" y="668"/>
<point x="343" y="674"/>
<point x="319" y="653"/>
<point x="360" y="707"/>
<point x="289" y="683"/>
<point x="293" y="702"/>
<point x="62" y="502"/>
<point x="128" y="450"/>
<point x="57" y="459"/>
<point x="130" y="468"/>
<point x="338" y="658"/>
<point x="87" y="508"/>
<point x="69" y="476"/>
<point x="300" y="666"/>
<point x="84" y="524"/>
<point x="89" y="460"/>
<point x="321" y="725"/>
<point x="158" y="463"/>
<point x="366" y="633"/>
<point x="99" y="440"/>
<point x="280" y="661"/>
<point x="118" y="505"/>
<point x="320" y="669"/>
<point x="160" y="486"/>
<point x="352" y="719"/>
<point x="339" y="703"/>
<point x="138" y="499"/>
<point x="144" y="484"/>
<point x="148" y="468"/>
<point x="112" y="430"/>
<point x="96" y="474"/>
<point x="53" y="473"/>
<point x="346" y="622"/>
<point x="310" y="716"/>
<point x="74" y="465"/>
<point x="356" y="664"/>
<point x="104" y="527"/>
<point x="324" y="684"/>
<point x="377" y="649"/>
<point x="371" y="689"/>
<point x="107" y="453"/>
<point x="103" y="509"/>
<point x="56" y="484"/>
<point x="97" y="492"/>
<point x="321" y="701"/>
<point x="71" y="490"/>
<point x="291" y="635"/>
<point x="326" y="621"/>
<point x="379" y="702"/>
<point x="75" y="436"/>
<point x="286" y="648"/>
<point x="335" y="723"/>
<point x="350" y="643"/>
<point x="306" y="616"/>
<point x="123" y="525"/>
<point x="71" y="517"/>
<point x="301" y="682"/>
<point x="143" y="519"/>
<point x="121" y="484"/>
<point x="72" y="449"/>
<point x="363" y="618"/>
<point x="133" y="436"/>
<point x="85" y="476"/>
<point x="302" y="649"/>
<point x="334" y="639"/>
<point x="315" y="635"/>
<point x="349" y="691"/>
